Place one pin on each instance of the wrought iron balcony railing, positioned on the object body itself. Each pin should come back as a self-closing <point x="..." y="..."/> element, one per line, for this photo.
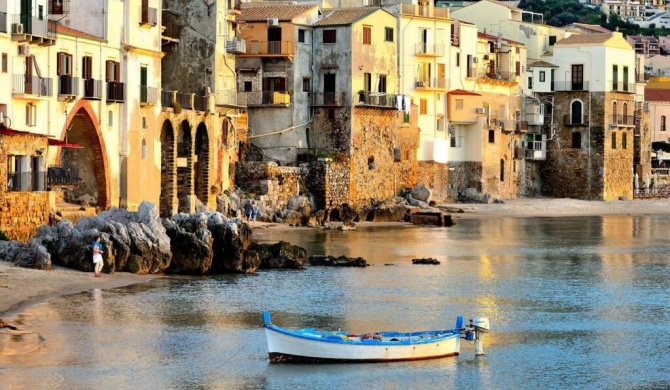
<point x="68" y="85"/>
<point x="570" y="120"/>
<point x="92" y="89"/>
<point x="116" y="92"/>
<point x="329" y="99"/>
<point x="280" y="48"/>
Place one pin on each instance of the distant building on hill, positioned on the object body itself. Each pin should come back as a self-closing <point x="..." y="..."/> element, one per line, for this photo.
<point x="646" y="45"/>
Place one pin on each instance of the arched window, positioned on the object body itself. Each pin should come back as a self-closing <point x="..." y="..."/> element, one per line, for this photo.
<point x="624" y="140"/>
<point x="613" y="140"/>
<point x="502" y="170"/>
<point x="144" y="150"/>
<point x="576" y="112"/>
<point x="624" y="113"/>
<point x="615" y="115"/>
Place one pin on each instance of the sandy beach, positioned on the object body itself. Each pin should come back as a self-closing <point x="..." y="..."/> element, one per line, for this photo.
<point x="21" y="287"/>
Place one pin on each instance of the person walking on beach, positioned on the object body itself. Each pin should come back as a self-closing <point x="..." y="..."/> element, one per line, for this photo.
<point x="97" y="256"/>
<point x="254" y="210"/>
<point x="248" y="210"/>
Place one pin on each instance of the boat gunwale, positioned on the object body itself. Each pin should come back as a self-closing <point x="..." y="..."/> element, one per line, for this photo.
<point x="448" y="334"/>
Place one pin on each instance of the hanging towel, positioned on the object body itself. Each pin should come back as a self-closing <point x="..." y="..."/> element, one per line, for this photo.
<point x="406" y="104"/>
<point x="398" y="102"/>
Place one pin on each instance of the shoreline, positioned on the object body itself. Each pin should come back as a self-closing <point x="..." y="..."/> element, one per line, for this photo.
<point x="24" y="287"/>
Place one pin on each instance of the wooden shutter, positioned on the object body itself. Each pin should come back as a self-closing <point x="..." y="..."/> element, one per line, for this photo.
<point x="108" y="74"/>
<point x="117" y="74"/>
<point x="59" y="63"/>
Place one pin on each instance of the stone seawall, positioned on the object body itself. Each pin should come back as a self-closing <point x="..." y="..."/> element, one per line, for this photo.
<point x="22" y="213"/>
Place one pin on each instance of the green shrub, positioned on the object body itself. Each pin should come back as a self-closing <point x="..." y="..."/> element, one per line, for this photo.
<point x="3" y="237"/>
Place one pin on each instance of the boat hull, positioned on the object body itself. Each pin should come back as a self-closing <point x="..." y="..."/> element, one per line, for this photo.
<point x="285" y="346"/>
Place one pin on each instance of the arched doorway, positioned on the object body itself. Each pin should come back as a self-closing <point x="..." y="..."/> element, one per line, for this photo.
<point x="168" y="173"/>
<point x="184" y="167"/>
<point x="201" y="167"/>
<point x="89" y="163"/>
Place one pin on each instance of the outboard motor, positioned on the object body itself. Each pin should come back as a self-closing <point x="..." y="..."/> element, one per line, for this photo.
<point x="479" y="326"/>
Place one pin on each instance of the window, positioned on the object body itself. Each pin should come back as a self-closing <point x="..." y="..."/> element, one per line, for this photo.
<point x="459" y="104"/>
<point x="331" y="114"/>
<point x="31" y="115"/>
<point x="388" y="34"/>
<point x="382" y="84"/>
<point x="517" y="68"/>
<point x="144" y="149"/>
<point x="113" y="73"/>
<point x="110" y="118"/>
<point x="144" y="122"/>
<point x="458" y="59"/>
<point x="613" y="140"/>
<point x="615" y="77"/>
<point x="615" y="114"/>
<point x="577" y="78"/>
<point x="301" y="36"/>
<point x="492" y="136"/>
<point x="40" y="12"/>
<point x="625" y="79"/>
<point x="423" y="73"/>
<point x="306" y="83"/>
<point x="4" y="62"/>
<point x="423" y="106"/>
<point x="454" y="137"/>
<point x="577" y="140"/>
<point x="367" y="35"/>
<point x="542" y="76"/>
<point x="329" y="36"/>
<point x="502" y="170"/>
<point x="552" y="40"/>
<point x="530" y="82"/>
<point x="663" y="123"/>
<point x="624" y="141"/>
<point x="87" y="67"/>
<point x="248" y="86"/>
<point x="576" y="112"/>
<point x="64" y="64"/>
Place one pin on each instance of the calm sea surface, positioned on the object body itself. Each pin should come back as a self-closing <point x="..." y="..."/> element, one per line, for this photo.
<point x="574" y="303"/>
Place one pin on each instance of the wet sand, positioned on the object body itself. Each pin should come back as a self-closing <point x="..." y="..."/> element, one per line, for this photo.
<point x="21" y="287"/>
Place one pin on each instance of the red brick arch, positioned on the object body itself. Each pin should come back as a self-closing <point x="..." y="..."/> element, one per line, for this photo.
<point x="83" y="111"/>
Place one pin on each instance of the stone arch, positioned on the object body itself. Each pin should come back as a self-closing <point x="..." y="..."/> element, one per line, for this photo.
<point x="576" y="111"/>
<point x="90" y="163"/>
<point x="168" y="172"/>
<point x="184" y="170"/>
<point x="201" y="166"/>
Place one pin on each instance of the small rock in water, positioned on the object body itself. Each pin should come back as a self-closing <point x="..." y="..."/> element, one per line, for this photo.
<point x="425" y="261"/>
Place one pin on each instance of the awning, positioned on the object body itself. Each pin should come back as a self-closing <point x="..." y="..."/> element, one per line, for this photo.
<point x="63" y="144"/>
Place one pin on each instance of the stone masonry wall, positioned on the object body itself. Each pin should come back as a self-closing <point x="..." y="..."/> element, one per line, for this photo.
<point x="465" y="174"/>
<point x="328" y="181"/>
<point x="436" y="177"/>
<point x="273" y="184"/>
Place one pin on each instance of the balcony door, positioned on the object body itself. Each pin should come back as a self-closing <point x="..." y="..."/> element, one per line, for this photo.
<point x="329" y="89"/>
<point x="274" y="40"/>
<point x="271" y="85"/>
<point x="143" y="84"/>
<point x="29" y="75"/>
<point x="577" y="78"/>
<point x="27" y="15"/>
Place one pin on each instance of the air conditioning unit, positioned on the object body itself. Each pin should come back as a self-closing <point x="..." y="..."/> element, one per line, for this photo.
<point x="420" y="84"/>
<point x="480" y="110"/>
<point x="497" y="45"/>
<point x="24" y="49"/>
<point x="273" y="22"/>
<point x="475" y="59"/>
<point x="17" y="28"/>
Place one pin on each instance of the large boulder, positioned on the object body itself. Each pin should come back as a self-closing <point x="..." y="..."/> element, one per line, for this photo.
<point x="280" y="255"/>
<point x="191" y="252"/>
<point x="9" y="250"/>
<point x="390" y="210"/>
<point x="341" y="261"/>
<point x="471" y="195"/>
<point x="422" y="193"/>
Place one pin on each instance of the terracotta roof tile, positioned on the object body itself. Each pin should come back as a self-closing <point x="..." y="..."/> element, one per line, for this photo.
<point x="584" y="39"/>
<point x="344" y="16"/>
<point x="463" y="92"/>
<point x="657" y="95"/>
<point x="283" y="12"/>
<point x="495" y="37"/>
<point x="593" y="27"/>
<point x="60" y="29"/>
<point x="542" y="64"/>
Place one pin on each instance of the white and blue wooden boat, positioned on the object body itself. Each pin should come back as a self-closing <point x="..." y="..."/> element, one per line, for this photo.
<point x="310" y="345"/>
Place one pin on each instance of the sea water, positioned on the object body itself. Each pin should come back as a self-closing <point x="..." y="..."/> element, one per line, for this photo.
<point x="574" y="303"/>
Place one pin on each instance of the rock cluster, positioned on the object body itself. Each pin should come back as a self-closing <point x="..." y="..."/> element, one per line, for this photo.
<point x="341" y="261"/>
<point x="426" y="261"/>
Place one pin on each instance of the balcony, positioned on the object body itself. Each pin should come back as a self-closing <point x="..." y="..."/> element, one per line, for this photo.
<point x="568" y="120"/>
<point x="201" y="103"/>
<point x="148" y="95"/>
<point x="271" y="48"/>
<point x="521" y="126"/>
<point x="622" y="87"/>
<point x="427" y="11"/>
<point x="61" y="176"/>
<point x="168" y="98"/>
<point x="36" y="86"/>
<point x="148" y="16"/>
<point x="562" y="86"/>
<point x="507" y="125"/>
<point x="68" y="88"/>
<point x="535" y="119"/>
<point x="31" y="29"/>
<point x="92" y="89"/>
<point x="377" y="99"/>
<point x="266" y="98"/>
<point x="170" y="32"/>
<point x="186" y="100"/>
<point x="336" y="99"/>
<point x="236" y="46"/>
<point x="426" y="49"/>
<point x="622" y="120"/>
<point x="228" y="98"/>
<point x="59" y="7"/>
<point x="116" y="92"/>
<point x="439" y="83"/>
